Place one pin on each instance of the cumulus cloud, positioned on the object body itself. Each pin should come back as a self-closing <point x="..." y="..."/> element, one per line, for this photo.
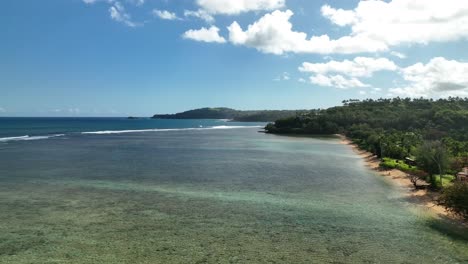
<point x="230" y="7"/>
<point x="209" y="8"/>
<point x="273" y="33"/>
<point x="339" y="16"/>
<point x="95" y="1"/>
<point x="205" y="34"/>
<point x="404" y="21"/>
<point x="358" y="67"/>
<point x="438" y="78"/>
<point x="375" y="26"/>
<point x="164" y="14"/>
<point x="118" y="13"/>
<point x="337" y="81"/>
<point x="137" y="2"/>
<point x="134" y="2"/>
<point x="346" y="71"/>
<point x="201" y="14"/>
<point x="398" y="54"/>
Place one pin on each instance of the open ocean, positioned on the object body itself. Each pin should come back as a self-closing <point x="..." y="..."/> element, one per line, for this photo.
<point x="113" y="190"/>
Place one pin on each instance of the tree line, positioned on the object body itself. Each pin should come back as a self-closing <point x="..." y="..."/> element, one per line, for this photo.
<point x="232" y="114"/>
<point x="432" y="133"/>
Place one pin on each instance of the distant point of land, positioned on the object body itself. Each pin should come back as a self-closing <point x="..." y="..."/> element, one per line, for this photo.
<point x="232" y="114"/>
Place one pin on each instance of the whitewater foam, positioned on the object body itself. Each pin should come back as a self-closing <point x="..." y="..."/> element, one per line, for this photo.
<point x="107" y="132"/>
<point x="27" y="138"/>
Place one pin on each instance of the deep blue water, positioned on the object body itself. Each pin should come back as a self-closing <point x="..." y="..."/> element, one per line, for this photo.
<point x="14" y="129"/>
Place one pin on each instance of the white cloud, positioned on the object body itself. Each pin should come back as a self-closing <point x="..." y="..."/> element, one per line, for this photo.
<point x="438" y="78"/>
<point x="404" y="21"/>
<point x="273" y="33"/>
<point x="375" y="90"/>
<point x="164" y="14"/>
<point x="358" y="67"/>
<point x="134" y="2"/>
<point x="137" y="2"/>
<point x="118" y="13"/>
<point x="202" y="14"/>
<point x="398" y="54"/>
<point x="337" y="81"/>
<point x="95" y="1"/>
<point x="2" y="110"/>
<point x="230" y="7"/>
<point x="346" y="71"/>
<point x="375" y="26"/>
<point x="339" y="16"/>
<point x="209" y="8"/>
<point x="205" y="34"/>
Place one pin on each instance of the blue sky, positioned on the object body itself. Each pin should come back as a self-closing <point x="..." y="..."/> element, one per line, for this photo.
<point x="141" y="57"/>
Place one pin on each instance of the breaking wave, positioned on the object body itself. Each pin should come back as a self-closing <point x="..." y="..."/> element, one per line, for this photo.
<point x="26" y="138"/>
<point x="107" y="132"/>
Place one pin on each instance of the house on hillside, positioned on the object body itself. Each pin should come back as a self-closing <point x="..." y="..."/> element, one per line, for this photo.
<point x="463" y="175"/>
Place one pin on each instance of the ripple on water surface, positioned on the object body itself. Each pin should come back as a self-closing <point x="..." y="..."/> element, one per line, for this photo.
<point x="207" y="196"/>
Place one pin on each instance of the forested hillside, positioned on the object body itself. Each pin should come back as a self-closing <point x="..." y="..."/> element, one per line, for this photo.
<point x="427" y="139"/>
<point x="399" y="124"/>
<point x="235" y="115"/>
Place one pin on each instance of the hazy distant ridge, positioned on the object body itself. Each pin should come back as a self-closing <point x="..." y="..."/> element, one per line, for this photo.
<point x="228" y="113"/>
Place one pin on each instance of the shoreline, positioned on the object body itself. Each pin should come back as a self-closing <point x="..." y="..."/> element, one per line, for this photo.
<point x="422" y="198"/>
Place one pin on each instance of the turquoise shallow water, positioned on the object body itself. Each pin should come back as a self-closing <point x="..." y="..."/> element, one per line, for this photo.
<point x="207" y="196"/>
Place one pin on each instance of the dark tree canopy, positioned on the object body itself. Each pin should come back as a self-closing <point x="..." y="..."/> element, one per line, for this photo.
<point x="228" y="113"/>
<point x="388" y="127"/>
<point x="432" y="134"/>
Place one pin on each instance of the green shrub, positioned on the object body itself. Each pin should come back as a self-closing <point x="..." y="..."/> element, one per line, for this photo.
<point x="389" y="163"/>
<point x="446" y="180"/>
<point x="455" y="199"/>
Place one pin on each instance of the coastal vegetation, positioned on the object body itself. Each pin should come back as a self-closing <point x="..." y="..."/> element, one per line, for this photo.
<point x="426" y="138"/>
<point x="455" y="197"/>
<point x="232" y="114"/>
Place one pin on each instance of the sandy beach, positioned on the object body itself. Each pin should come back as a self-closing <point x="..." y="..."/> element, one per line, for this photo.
<point x="422" y="198"/>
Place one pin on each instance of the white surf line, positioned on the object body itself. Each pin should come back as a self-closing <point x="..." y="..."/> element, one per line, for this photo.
<point x="107" y="132"/>
<point x="27" y="138"/>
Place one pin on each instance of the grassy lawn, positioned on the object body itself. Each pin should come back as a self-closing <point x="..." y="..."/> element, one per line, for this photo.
<point x="447" y="180"/>
<point x="390" y="163"/>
